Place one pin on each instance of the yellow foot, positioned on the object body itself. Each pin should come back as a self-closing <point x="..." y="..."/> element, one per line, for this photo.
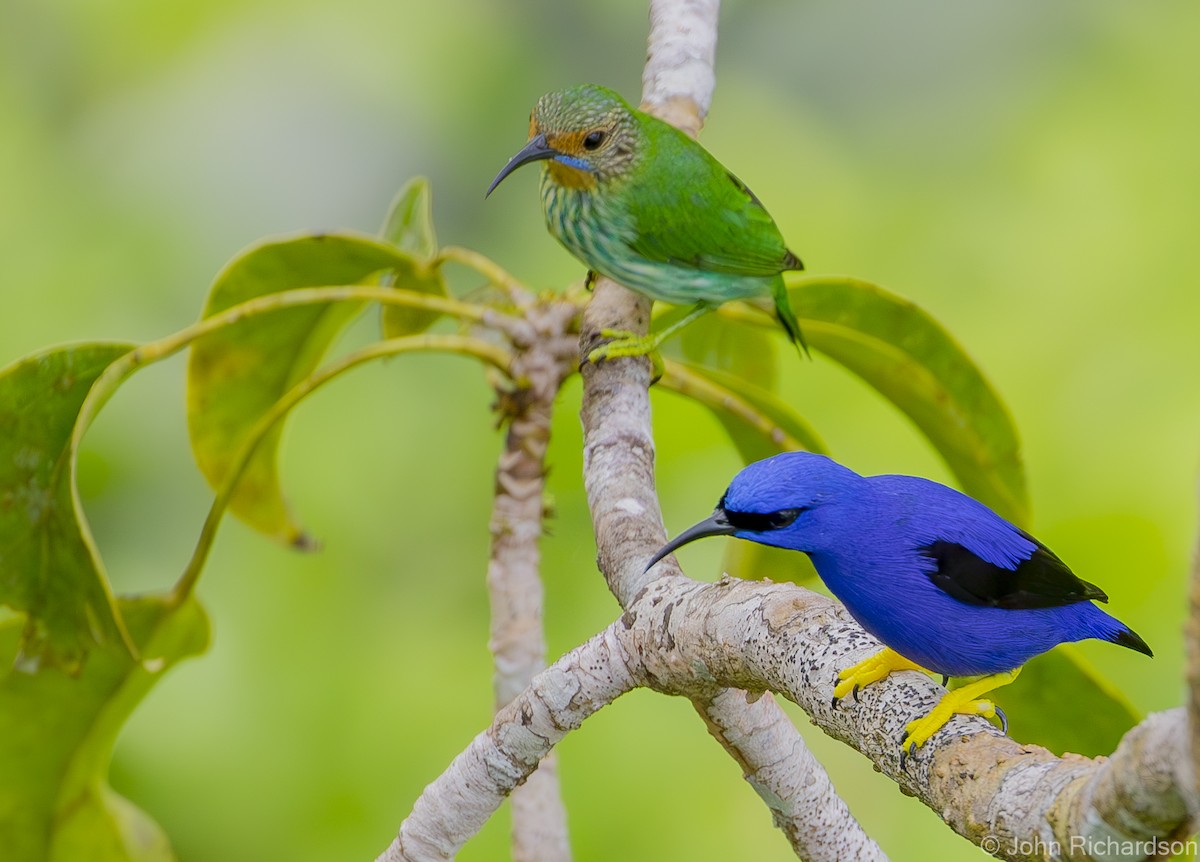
<point x="625" y="343"/>
<point x="871" y="670"/>
<point x="961" y="701"/>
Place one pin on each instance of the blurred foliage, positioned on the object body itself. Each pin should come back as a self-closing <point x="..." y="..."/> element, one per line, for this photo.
<point x="1024" y="172"/>
<point x="57" y="732"/>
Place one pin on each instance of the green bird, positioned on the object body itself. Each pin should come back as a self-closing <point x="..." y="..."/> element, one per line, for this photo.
<point x="637" y="200"/>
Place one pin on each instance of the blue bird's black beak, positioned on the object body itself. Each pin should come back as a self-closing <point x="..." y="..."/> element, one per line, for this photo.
<point x="716" y="524"/>
<point x="536" y="149"/>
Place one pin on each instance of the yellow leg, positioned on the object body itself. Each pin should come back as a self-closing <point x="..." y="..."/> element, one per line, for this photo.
<point x="624" y="343"/>
<point x="627" y="343"/>
<point x="871" y="670"/>
<point x="965" y="700"/>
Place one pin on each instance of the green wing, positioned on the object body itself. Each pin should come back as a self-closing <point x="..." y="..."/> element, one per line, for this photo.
<point x="690" y="211"/>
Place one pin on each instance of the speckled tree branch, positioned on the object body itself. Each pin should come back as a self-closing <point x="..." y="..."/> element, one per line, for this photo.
<point x="1018" y="801"/>
<point x="545" y="353"/>
<point x="704" y="641"/>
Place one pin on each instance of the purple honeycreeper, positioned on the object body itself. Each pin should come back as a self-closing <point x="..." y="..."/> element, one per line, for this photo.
<point x="942" y="581"/>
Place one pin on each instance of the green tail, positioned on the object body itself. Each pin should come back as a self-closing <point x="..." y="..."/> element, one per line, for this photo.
<point x="784" y="311"/>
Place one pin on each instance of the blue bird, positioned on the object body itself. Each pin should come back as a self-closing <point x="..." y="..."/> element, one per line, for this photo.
<point x="942" y="581"/>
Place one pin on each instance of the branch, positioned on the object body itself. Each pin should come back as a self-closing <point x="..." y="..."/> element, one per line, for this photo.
<point x="1192" y="645"/>
<point x="1016" y="801"/>
<point x="702" y="641"/>
<point x="457" y="804"/>
<point x="678" y="79"/>
<point x="543" y="359"/>
<point x="618" y="457"/>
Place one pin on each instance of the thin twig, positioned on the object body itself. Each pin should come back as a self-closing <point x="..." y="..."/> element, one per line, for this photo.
<point x="517" y="642"/>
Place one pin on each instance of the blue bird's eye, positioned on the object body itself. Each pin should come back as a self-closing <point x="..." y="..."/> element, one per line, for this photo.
<point x="594" y="139"/>
<point x="758" y="522"/>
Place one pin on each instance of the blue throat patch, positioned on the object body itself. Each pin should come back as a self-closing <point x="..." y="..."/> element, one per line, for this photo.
<point x="571" y="161"/>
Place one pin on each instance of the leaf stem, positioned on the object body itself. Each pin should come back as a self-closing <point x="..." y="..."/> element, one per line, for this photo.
<point x="521" y="296"/>
<point x="464" y="345"/>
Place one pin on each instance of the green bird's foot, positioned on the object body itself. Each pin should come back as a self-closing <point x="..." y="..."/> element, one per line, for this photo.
<point x="871" y="670"/>
<point x="962" y="701"/>
<point x="626" y="343"/>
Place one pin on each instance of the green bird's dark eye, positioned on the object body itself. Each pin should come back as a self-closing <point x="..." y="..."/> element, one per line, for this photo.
<point x="594" y="139"/>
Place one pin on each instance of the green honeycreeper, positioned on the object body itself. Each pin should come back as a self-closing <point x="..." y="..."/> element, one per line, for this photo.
<point x="638" y="201"/>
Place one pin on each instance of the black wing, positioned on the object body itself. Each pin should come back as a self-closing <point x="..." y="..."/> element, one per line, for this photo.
<point x="1042" y="581"/>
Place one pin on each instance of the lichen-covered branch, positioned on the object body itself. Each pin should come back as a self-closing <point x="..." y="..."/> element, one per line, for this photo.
<point x="705" y="641"/>
<point x="1018" y="801"/>
<point x="544" y="356"/>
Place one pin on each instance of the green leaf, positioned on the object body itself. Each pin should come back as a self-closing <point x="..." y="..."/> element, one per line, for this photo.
<point x="409" y="225"/>
<point x="409" y="222"/>
<point x="236" y="373"/>
<point x="56" y="739"/>
<point x="49" y="566"/>
<point x="1062" y="703"/>
<point x="913" y="362"/>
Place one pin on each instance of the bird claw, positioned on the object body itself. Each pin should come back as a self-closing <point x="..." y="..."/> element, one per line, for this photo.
<point x="906" y="753"/>
<point x="623" y="343"/>
<point x="945" y="680"/>
<point x="854" y="678"/>
<point x="962" y="701"/>
<point x="626" y="343"/>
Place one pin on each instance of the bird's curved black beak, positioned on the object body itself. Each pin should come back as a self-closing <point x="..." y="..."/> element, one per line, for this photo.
<point x="537" y="148"/>
<point x="715" y="524"/>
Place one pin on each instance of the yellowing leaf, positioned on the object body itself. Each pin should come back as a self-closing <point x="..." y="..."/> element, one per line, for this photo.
<point x="238" y="372"/>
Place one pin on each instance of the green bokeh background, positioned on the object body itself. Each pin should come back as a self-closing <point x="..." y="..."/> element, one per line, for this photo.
<point x="1025" y="171"/>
